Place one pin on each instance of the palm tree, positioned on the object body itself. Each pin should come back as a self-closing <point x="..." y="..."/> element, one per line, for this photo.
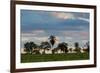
<point x="52" y="40"/>
<point x="77" y="49"/>
<point x="45" y="45"/>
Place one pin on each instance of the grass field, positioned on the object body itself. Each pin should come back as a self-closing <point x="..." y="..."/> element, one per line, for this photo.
<point x="53" y="57"/>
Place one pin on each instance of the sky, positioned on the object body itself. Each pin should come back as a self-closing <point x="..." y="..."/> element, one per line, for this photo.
<point x="69" y="27"/>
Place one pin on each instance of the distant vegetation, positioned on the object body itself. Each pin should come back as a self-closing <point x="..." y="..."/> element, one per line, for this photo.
<point x="46" y="52"/>
<point x="31" y="47"/>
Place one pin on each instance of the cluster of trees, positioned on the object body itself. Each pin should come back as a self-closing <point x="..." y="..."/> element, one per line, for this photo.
<point x="29" y="46"/>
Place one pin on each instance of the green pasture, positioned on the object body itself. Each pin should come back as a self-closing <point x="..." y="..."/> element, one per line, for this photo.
<point x="26" y="58"/>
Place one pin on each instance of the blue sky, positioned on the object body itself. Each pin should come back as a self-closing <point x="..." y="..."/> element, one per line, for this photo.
<point x="69" y="27"/>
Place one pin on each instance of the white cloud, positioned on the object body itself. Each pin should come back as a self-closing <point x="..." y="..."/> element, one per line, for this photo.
<point x="75" y="35"/>
<point x="38" y="31"/>
<point x="33" y="36"/>
<point x="41" y="38"/>
<point x="84" y="41"/>
<point x="84" y="19"/>
<point x="32" y="33"/>
<point x="24" y="39"/>
<point x="68" y="38"/>
<point x="28" y="34"/>
<point x="34" y="39"/>
<point x="69" y="33"/>
<point x="62" y="15"/>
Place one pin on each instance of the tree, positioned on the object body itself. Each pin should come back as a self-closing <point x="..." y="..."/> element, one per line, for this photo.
<point x="63" y="47"/>
<point x="77" y="48"/>
<point x="45" y="45"/>
<point x="29" y="46"/>
<point x="52" y="39"/>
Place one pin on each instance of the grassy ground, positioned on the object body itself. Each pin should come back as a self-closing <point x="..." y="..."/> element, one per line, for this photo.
<point x="53" y="57"/>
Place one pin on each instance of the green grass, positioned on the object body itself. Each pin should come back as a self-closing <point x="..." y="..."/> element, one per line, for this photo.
<point x="53" y="57"/>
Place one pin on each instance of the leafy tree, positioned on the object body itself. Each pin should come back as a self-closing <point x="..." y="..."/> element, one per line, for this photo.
<point x="29" y="46"/>
<point x="45" y="45"/>
<point x="63" y="46"/>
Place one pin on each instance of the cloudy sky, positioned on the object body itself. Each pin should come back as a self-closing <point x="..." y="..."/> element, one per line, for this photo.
<point x="69" y="27"/>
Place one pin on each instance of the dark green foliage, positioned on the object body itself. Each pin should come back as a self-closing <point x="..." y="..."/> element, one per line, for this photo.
<point x="45" y="46"/>
<point x="52" y="40"/>
<point x="29" y="46"/>
<point x="63" y="46"/>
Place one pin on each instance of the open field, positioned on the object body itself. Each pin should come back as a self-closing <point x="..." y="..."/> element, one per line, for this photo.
<point x="53" y="57"/>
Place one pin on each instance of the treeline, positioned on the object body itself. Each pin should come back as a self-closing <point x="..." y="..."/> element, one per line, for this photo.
<point x="35" y="48"/>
